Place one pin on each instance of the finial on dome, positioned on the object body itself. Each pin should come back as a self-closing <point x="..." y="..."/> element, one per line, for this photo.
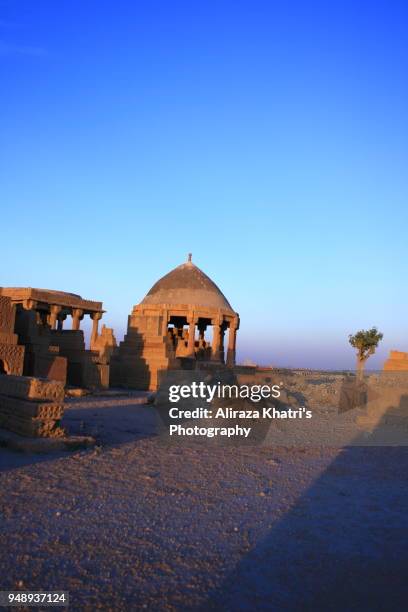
<point x="190" y="255"/>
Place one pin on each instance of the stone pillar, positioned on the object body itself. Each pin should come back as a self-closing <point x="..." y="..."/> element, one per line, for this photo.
<point x="215" y="349"/>
<point x="77" y="316"/>
<point x="221" y="350"/>
<point x="52" y="317"/>
<point x="191" y="336"/>
<point x="33" y="305"/>
<point x="29" y="304"/>
<point x="96" y="317"/>
<point x="60" y="321"/>
<point x="232" y="341"/>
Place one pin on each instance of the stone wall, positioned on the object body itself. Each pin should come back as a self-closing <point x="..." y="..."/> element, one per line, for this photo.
<point x="84" y="368"/>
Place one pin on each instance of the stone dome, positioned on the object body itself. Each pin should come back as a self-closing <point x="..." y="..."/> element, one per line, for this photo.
<point x="187" y="284"/>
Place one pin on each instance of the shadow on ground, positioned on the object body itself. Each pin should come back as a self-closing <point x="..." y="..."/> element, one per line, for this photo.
<point x="342" y="545"/>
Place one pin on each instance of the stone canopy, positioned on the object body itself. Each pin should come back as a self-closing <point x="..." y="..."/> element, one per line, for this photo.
<point x="183" y="316"/>
<point x="51" y="350"/>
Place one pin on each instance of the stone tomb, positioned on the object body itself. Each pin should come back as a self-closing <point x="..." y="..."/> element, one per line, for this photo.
<point x="169" y="329"/>
<point x="51" y="350"/>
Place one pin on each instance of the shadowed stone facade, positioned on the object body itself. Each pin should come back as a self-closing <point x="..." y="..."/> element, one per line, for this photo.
<point x="11" y="354"/>
<point x="169" y="329"/>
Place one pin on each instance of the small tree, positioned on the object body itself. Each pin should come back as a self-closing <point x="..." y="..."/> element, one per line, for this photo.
<point x="365" y="341"/>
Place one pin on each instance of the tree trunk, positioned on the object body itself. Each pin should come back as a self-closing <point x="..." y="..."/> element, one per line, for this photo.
<point x="360" y="369"/>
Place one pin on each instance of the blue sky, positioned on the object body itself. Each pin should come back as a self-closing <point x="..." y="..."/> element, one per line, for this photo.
<point x="270" y="139"/>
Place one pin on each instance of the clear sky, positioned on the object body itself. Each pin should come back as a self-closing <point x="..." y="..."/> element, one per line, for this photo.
<point x="268" y="138"/>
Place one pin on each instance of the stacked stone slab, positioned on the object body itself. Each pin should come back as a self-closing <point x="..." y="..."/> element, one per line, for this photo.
<point x="11" y="354"/>
<point x="31" y="406"/>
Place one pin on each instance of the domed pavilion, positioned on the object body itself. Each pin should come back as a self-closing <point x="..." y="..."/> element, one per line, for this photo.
<point x="184" y="318"/>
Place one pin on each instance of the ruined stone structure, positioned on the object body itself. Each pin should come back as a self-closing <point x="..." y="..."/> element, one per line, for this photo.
<point x="397" y="361"/>
<point x="169" y="329"/>
<point x="11" y="354"/>
<point x="51" y="351"/>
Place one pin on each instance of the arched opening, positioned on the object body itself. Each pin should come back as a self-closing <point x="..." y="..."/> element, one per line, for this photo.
<point x="3" y="368"/>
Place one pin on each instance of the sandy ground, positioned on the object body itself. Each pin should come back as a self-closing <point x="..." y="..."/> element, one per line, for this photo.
<point x="140" y="524"/>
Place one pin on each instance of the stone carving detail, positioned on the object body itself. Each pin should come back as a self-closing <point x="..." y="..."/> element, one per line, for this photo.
<point x="31" y="407"/>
